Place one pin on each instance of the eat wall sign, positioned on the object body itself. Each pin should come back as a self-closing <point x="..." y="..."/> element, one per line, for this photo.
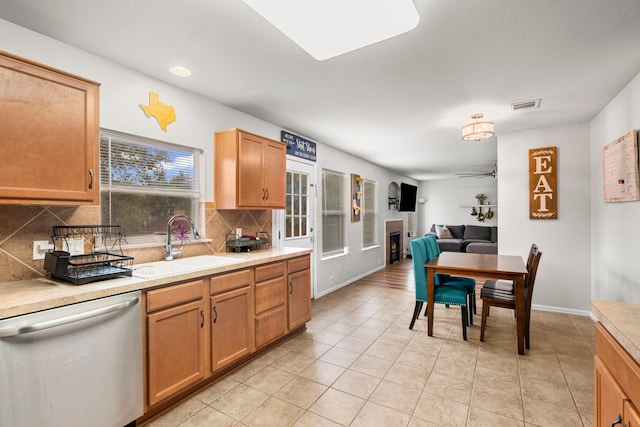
<point x="543" y="183"/>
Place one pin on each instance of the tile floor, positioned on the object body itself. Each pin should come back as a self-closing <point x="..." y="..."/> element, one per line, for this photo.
<point x="358" y="364"/>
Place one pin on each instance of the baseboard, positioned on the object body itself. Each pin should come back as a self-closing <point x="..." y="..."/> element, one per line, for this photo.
<point x="561" y="310"/>
<point x="348" y="282"/>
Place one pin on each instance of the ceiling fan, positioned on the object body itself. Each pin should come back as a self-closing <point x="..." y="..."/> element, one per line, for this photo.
<point x="480" y="174"/>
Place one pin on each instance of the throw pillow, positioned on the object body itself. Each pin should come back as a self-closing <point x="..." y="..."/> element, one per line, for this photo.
<point x="443" y="232"/>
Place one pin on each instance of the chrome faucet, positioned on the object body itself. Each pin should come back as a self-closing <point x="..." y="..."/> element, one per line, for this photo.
<point x="170" y="253"/>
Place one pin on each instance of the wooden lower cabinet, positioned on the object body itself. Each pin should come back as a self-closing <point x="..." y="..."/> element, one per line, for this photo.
<point x="177" y="352"/>
<point x="232" y="332"/>
<point x="197" y="330"/>
<point x="270" y="302"/>
<point x="299" y="291"/>
<point x="617" y="383"/>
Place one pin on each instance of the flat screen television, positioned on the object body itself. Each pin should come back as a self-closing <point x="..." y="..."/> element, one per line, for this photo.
<point x="408" y="195"/>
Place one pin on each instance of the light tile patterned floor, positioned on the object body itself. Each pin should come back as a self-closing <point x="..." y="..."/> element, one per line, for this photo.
<point x="358" y="364"/>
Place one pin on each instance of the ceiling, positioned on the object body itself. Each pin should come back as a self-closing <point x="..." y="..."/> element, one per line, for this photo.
<point x="399" y="103"/>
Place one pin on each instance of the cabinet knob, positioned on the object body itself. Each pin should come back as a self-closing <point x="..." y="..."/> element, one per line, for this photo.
<point x="202" y="315"/>
<point x="215" y="311"/>
<point x="617" y="421"/>
<point x="290" y="287"/>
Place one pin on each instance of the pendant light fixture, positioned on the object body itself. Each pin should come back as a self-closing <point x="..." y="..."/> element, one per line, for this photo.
<point x="477" y="130"/>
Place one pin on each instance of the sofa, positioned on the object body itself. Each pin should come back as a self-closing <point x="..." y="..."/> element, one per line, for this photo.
<point x="466" y="238"/>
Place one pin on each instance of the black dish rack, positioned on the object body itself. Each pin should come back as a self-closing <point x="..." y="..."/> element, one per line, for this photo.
<point x="236" y="243"/>
<point x="95" y="266"/>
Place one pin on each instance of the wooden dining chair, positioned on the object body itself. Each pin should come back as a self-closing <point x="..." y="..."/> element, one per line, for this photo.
<point x="507" y="285"/>
<point x="494" y="297"/>
<point x="443" y="294"/>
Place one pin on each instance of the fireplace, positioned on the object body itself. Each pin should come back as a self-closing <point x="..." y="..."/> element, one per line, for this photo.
<point x="393" y="227"/>
<point x="394" y="247"/>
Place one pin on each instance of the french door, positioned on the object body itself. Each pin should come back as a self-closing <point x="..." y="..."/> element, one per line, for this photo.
<point x="296" y="223"/>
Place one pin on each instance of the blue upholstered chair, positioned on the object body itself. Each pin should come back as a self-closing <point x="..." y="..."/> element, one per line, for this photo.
<point x="467" y="283"/>
<point x="449" y="295"/>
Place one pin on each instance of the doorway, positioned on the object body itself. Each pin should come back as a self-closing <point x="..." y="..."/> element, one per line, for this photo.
<point x="295" y="225"/>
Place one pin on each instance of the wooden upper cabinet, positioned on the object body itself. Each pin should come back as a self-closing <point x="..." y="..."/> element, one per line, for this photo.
<point x="49" y="131"/>
<point x="249" y="171"/>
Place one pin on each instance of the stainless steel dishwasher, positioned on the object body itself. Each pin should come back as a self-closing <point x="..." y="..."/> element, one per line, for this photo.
<point x="77" y="365"/>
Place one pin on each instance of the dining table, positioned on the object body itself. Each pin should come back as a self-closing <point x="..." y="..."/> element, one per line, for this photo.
<point x="507" y="267"/>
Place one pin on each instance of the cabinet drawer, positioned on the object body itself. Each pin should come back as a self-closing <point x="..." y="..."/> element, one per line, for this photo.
<point x="174" y="295"/>
<point x="622" y="366"/>
<point x="298" y="264"/>
<point x="269" y="271"/>
<point x="226" y="282"/>
<point x="270" y="294"/>
<point x="270" y="326"/>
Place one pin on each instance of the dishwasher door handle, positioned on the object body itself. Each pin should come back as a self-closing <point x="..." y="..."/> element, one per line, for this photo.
<point x="20" y="330"/>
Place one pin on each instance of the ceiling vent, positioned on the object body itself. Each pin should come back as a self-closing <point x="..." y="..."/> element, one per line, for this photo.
<point x="525" y="105"/>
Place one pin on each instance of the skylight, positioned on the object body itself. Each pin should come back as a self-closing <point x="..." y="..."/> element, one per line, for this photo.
<point x="328" y="28"/>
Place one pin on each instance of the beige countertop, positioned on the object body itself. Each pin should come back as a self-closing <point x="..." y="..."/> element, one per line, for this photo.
<point x="622" y="321"/>
<point x="27" y="296"/>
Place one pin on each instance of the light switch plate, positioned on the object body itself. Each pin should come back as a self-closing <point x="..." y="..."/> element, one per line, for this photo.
<point x="74" y="246"/>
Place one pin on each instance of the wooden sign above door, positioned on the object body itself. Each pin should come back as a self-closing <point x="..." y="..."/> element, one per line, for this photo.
<point x="543" y="183"/>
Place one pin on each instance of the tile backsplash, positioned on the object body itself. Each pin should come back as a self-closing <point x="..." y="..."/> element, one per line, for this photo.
<point x="21" y="225"/>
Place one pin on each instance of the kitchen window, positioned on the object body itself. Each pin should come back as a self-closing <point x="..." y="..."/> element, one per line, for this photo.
<point x="333" y="213"/>
<point x="369" y="214"/>
<point x="144" y="182"/>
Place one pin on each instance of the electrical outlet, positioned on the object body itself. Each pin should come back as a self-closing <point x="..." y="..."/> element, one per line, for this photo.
<point x="41" y="247"/>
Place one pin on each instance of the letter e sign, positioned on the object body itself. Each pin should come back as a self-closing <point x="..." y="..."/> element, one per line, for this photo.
<point x="543" y="183"/>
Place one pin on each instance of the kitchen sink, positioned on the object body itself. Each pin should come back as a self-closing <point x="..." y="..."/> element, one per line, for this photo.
<point x="181" y="265"/>
<point x="206" y="261"/>
<point x="159" y="269"/>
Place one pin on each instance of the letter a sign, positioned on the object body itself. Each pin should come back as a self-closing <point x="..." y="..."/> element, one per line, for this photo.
<point x="543" y="183"/>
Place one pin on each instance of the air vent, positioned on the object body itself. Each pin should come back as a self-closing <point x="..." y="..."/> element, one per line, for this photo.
<point x="534" y="103"/>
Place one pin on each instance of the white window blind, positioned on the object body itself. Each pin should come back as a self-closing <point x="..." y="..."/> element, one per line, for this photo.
<point x="369" y="214"/>
<point x="333" y="213"/>
<point x="130" y="163"/>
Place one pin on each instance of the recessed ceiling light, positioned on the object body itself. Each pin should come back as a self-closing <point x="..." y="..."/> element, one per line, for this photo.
<point x="179" y="71"/>
<point x="328" y="28"/>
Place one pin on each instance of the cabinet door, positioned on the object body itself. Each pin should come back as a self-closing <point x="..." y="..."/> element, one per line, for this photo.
<point x="631" y="415"/>
<point x="251" y="189"/>
<point x="299" y="298"/>
<point x="231" y="326"/>
<point x="275" y="172"/>
<point x="176" y="349"/>
<point x="49" y="135"/>
<point x="609" y="397"/>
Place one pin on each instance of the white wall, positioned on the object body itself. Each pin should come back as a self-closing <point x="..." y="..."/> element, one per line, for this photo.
<point x="563" y="280"/>
<point x="338" y="271"/>
<point x="121" y="92"/>
<point x="615" y="227"/>
<point x="444" y="198"/>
